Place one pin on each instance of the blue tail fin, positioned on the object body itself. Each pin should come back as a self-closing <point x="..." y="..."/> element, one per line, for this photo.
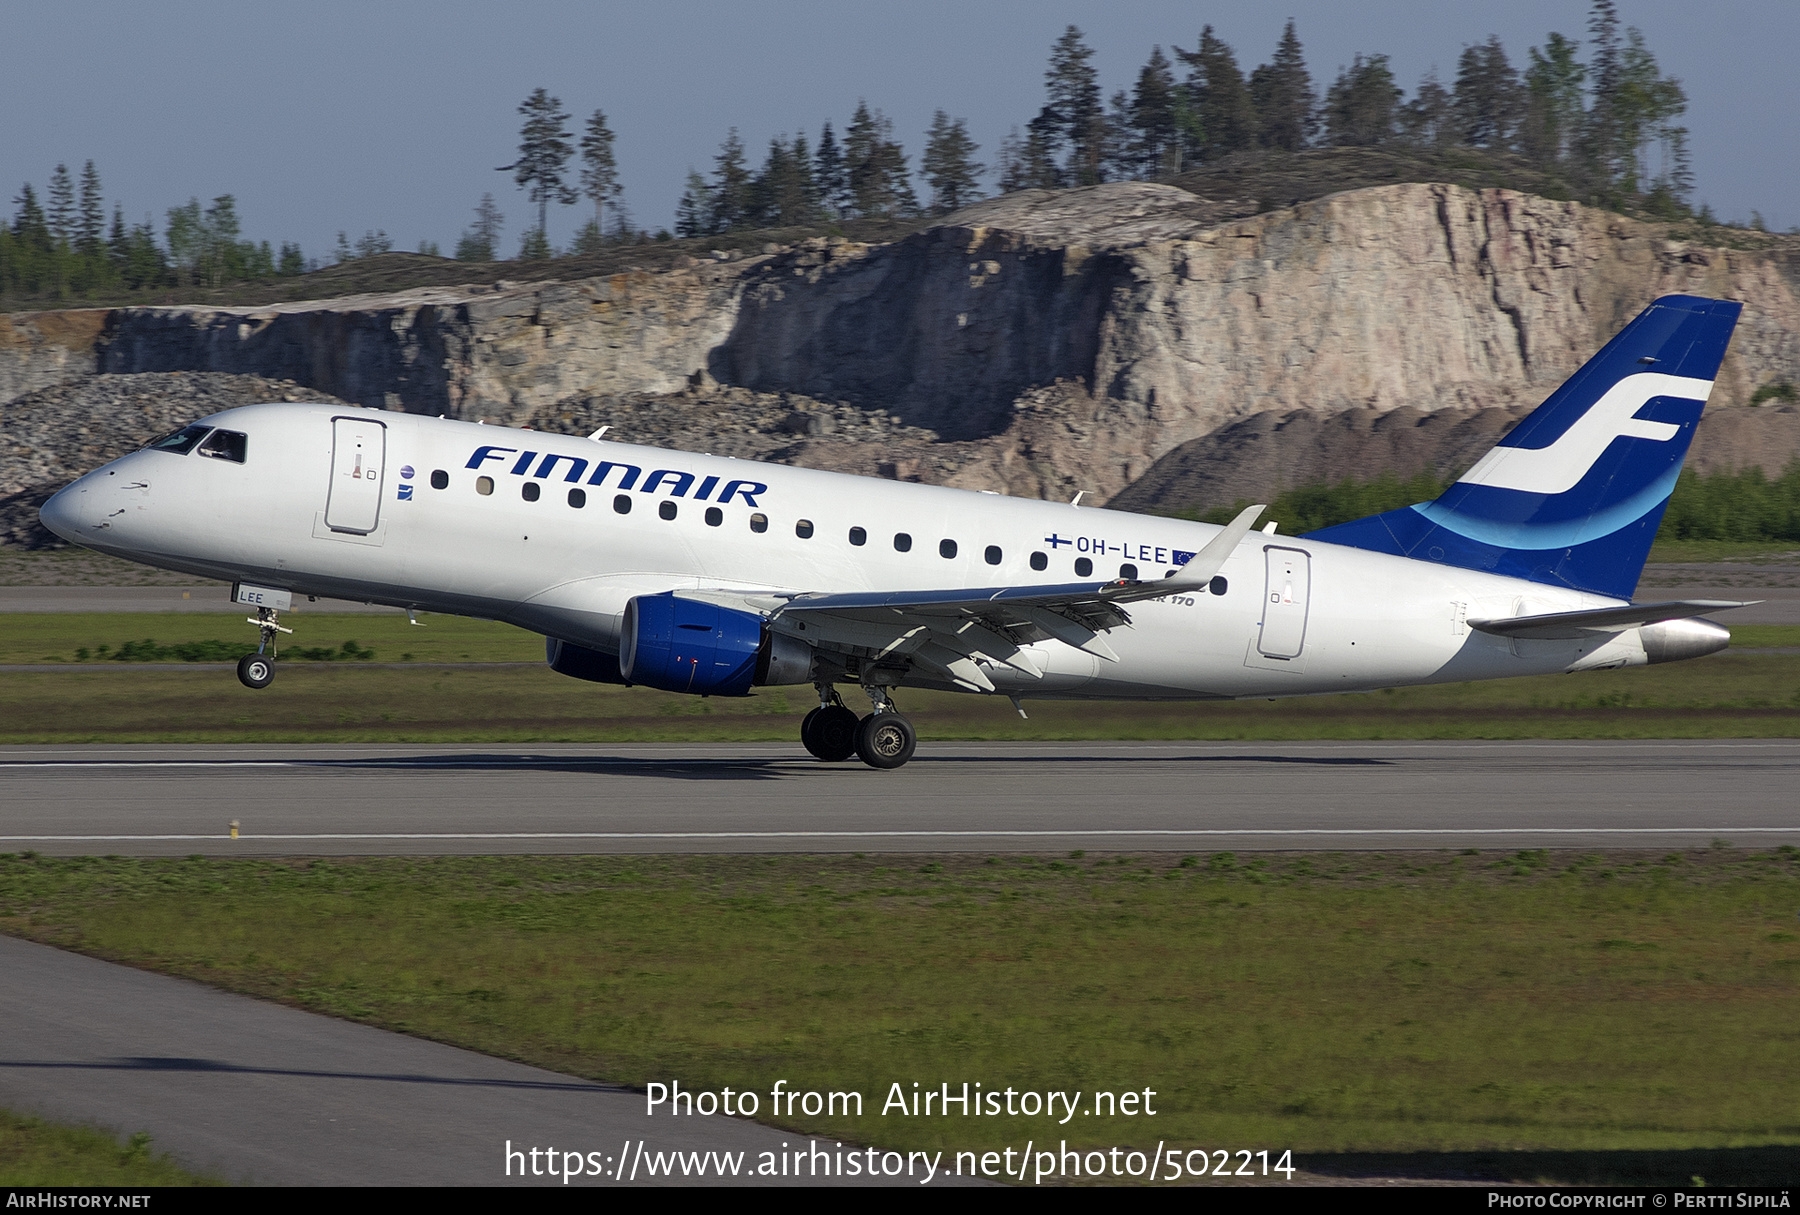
<point x="1574" y="494"/>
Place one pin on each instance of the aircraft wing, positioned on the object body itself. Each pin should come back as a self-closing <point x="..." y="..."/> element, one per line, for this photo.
<point x="1554" y="626"/>
<point x="952" y="633"/>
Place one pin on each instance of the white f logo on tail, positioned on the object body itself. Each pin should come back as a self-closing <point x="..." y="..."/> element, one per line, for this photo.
<point x="1558" y="468"/>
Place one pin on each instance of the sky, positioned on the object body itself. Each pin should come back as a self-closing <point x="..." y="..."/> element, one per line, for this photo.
<point x="350" y="116"/>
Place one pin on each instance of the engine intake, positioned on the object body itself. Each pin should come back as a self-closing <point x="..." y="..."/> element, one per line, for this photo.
<point x="689" y="645"/>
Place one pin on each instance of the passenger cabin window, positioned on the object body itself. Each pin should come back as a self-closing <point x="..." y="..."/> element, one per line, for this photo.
<point x="902" y="542"/>
<point x="803" y="528"/>
<point x="666" y="509"/>
<point x="1039" y="561"/>
<point x="1128" y="572"/>
<point x="622" y="503"/>
<point x="858" y="537"/>
<point x="759" y="522"/>
<point x="714" y="516"/>
<point x="992" y="555"/>
<point x="530" y="491"/>
<point x="1083" y="567"/>
<point x="440" y="479"/>
<point x="225" y="445"/>
<point x="578" y="498"/>
<point x="180" y="442"/>
<point x="484" y="486"/>
<point x="946" y="549"/>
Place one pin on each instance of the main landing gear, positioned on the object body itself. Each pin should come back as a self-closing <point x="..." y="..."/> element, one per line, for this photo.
<point x="883" y="739"/>
<point x="258" y="670"/>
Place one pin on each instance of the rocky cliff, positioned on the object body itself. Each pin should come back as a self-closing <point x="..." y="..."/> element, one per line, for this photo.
<point x="1052" y="341"/>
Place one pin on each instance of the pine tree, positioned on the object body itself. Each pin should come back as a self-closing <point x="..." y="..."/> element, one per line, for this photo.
<point x="1282" y="92"/>
<point x="829" y="175"/>
<point x="343" y="253"/>
<point x="693" y="214"/>
<point x="599" y="168"/>
<point x="1428" y="120"/>
<point x="370" y="244"/>
<point x="118" y="241"/>
<point x="1224" y="120"/>
<point x="949" y="164"/>
<point x="1155" y="119"/>
<point x="185" y="236"/>
<point x="1600" y="134"/>
<point x="145" y="265"/>
<point x="90" y="224"/>
<point x="1554" y="110"/>
<point x="1361" y="104"/>
<point x="781" y="194"/>
<point x="730" y="186"/>
<point x="1487" y="98"/>
<point x="222" y="258"/>
<point x="29" y="227"/>
<point x="481" y="242"/>
<point x="61" y="211"/>
<point x="293" y="262"/>
<point x="544" y="152"/>
<point x="1075" y="119"/>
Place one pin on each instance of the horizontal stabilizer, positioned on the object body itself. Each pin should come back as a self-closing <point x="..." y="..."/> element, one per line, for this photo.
<point x="1563" y="626"/>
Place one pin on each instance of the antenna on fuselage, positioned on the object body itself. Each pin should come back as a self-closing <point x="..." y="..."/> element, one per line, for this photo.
<point x="595" y="437"/>
<point x="1076" y="500"/>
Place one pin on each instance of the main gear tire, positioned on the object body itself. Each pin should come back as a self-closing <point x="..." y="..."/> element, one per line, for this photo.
<point x="829" y="733"/>
<point x="255" y="670"/>
<point x="885" y="740"/>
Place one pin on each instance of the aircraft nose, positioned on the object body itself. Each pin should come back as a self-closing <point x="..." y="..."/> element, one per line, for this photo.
<point x="62" y="513"/>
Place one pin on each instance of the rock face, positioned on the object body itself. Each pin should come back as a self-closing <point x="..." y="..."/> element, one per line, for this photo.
<point x="1055" y="341"/>
<point x="51" y="436"/>
<point x="1259" y="456"/>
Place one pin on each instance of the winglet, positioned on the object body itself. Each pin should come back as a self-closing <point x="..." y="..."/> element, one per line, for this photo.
<point x="1202" y="565"/>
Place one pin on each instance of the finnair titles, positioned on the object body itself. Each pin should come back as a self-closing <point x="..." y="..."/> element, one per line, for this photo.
<point x="711" y="576"/>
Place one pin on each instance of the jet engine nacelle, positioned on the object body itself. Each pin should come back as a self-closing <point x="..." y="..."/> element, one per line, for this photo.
<point x="579" y="662"/>
<point x="689" y="645"/>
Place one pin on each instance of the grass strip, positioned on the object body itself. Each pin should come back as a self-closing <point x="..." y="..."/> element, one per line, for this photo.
<point x="38" y="1153"/>
<point x="1328" y="1002"/>
<point x="1723" y="696"/>
<point x="37" y="637"/>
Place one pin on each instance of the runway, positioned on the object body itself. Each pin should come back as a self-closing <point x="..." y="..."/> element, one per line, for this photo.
<point x="257" y="1093"/>
<point x="955" y="797"/>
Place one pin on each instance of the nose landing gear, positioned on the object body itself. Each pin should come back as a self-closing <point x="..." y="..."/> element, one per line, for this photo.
<point x="258" y="670"/>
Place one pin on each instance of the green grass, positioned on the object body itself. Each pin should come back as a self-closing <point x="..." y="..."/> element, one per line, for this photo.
<point x="1716" y="550"/>
<point x="38" y="1153"/>
<point x="1325" y="1002"/>
<point x="37" y="637"/>
<point x="1722" y="696"/>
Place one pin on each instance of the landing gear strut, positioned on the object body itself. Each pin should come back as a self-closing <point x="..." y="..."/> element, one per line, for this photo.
<point x="258" y="670"/>
<point x="884" y="739"/>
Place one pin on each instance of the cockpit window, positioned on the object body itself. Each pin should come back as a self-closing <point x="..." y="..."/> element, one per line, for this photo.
<point x="225" y="445"/>
<point x="180" y="442"/>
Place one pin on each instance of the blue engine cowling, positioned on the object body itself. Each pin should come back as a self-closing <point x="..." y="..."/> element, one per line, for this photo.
<point x="688" y="645"/>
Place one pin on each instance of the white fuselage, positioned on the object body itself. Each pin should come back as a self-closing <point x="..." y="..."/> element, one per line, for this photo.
<point x="1296" y="616"/>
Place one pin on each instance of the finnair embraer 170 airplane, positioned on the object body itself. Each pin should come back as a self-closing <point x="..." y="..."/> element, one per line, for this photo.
<point x="708" y="575"/>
